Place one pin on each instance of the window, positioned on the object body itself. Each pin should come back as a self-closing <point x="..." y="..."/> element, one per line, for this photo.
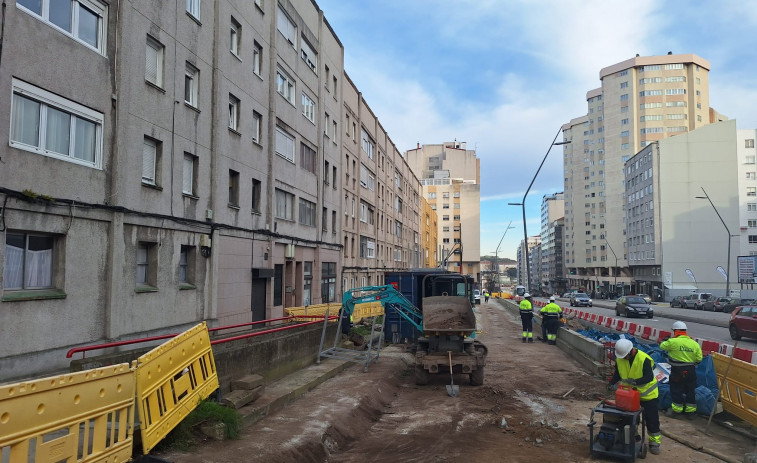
<point x="284" y="145"/>
<point x="151" y="154"/>
<point x="286" y="26"/>
<point x="307" y="158"/>
<point x="84" y="20"/>
<point x="284" y="205"/>
<point x="47" y="124"/>
<point x="326" y="80"/>
<point x="752" y="239"/>
<point x="147" y="263"/>
<point x="752" y="223"/>
<point x="285" y="86"/>
<point x="749" y="160"/>
<point x="186" y="266"/>
<point x="366" y="143"/>
<point x="189" y="175"/>
<point x="308" y="55"/>
<point x="308" y="108"/>
<point x="366" y="213"/>
<point x="234" y="112"/>
<point x="367" y="248"/>
<point x="334" y="129"/>
<point x="334" y="81"/>
<point x="307" y="213"/>
<point x="154" y="53"/>
<point x="256" y="192"/>
<point x="749" y="143"/>
<point x="333" y="170"/>
<point x="751" y="191"/>
<point x="367" y="180"/>
<point x="256" y="126"/>
<point x="233" y="188"/>
<point x="675" y="91"/>
<point x="191" y="85"/>
<point x="257" y="58"/>
<point x="326" y="172"/>
<point x="333" y="222"/>
<point x="29" y="260"/>
<point x="235" y="38"/>
<point x="324" y="219"/>
<point x="328" y="282"/>
<point x="193" y="8"/>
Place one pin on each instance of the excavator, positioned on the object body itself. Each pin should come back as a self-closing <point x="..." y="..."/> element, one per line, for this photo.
<point x="445" y="321"/>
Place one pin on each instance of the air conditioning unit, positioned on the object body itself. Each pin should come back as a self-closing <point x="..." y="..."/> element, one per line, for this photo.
<point x="289" y="252"/>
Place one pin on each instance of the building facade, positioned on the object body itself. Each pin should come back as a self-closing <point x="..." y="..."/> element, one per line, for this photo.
<point x="640" y="101"/>
<point x="450" y="176"/>
<point x="551" y="273"/>
<point x="195" y="164"/>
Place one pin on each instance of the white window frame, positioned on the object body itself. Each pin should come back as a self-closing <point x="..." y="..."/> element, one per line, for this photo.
<point x="257" y="124"/>
<point x="19" y="263"/>
<point x="234" y="112"/>
<point x="286" y="200"/>
<point x="235" y="38"/>
<point x="257" y="58"/>
<point x="308" y="108"/>
<point x="308" y="55"/>
<point x="95" y="7"/>
<point x="189" y="174"/>
<point x="286" y="26"/>
<point x="285" y="86"/>
<point x="193" y="8"/>
<point x="366" y="143"/>
<point x="285" y="145"/>
<point x="306" y="213"/>
<point x="150" y="161"/>
<point x="191" y="79"/>
<point x="154" y="54"/>
<point x="47" y="100"/>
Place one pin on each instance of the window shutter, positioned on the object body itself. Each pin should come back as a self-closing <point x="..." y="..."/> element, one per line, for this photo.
<point x="148" y="161"/>
<point x="151" y="64"/>
<point x="188" y="175"/>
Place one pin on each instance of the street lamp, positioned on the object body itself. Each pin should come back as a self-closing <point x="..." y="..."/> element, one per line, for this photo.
<point x="523" y="202"/>
<point x="728" y="260"/>
<point x="615" y="271"/>
<point x="496" y="253"/>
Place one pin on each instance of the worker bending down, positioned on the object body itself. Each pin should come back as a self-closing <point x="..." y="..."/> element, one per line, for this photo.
<point x="527" y="318"/>
<point x="634" y="367"/>
<point x="684" y="354"/>
<point x="550" y="317"/>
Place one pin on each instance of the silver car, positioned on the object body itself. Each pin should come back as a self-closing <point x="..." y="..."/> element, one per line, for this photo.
<point x="580" y="299"/>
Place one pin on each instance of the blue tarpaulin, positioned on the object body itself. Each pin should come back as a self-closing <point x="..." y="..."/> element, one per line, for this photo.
<point x="707" y="383"/>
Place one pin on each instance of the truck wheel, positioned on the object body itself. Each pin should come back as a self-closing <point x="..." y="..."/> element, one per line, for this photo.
<point x="477" y="377"/>
<point x="421" y="375"/>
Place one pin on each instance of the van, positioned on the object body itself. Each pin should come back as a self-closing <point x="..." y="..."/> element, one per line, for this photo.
<point x="699" y="301"/>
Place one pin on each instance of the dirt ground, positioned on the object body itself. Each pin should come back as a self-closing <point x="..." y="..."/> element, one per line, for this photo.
<point x="382" y="416"/>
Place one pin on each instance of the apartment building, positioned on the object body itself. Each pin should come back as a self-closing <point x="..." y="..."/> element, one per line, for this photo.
<point x="640" y="101"/>
<point x="191" y="166"/>
<point x="429" y="235"/>
<point x="551" y="274"/>
<point x="529" y="264"/>
<point x="451" y="179"/>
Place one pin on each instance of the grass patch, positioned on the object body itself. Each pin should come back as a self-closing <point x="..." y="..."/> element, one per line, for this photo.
<point x="365" y="330"/>
<point x="187" y="435"/>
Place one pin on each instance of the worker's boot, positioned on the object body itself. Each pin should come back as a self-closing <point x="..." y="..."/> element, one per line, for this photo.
<point x="654" y="448"/>
<point x="530" y="339"/>
<point x="524" y="340"/>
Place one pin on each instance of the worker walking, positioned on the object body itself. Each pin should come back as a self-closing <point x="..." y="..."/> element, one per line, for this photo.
<point x="550" y="319"/>
<point x="684" y="354"/>
<point x="486" y="296"/>
<point x="635" y="368"/>
<point x="527" y="318"/>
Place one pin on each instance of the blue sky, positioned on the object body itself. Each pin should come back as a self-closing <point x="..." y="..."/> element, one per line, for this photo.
<point x="504" y="75"/>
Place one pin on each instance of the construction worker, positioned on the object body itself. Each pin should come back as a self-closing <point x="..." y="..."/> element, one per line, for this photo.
<point x="550" y="319"/>
<point x="684" y="354"/>
<point x="527" y="318"/>
<point x="635" y="368"/>
<point x="486" y="296"/>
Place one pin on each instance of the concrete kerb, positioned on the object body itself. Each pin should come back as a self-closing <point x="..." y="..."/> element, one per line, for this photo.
<point x="588" y="352"/>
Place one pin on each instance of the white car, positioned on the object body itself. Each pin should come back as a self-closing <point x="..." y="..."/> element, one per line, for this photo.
<point x="477" y="296"/>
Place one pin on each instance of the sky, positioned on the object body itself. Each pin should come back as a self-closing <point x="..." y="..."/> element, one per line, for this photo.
<point x="505" y="75"/>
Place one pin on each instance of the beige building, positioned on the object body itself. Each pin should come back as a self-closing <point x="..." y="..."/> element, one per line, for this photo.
<point x="451" y="179"/>
<point x="429" y="236"/>
<point x="641" y="100"/>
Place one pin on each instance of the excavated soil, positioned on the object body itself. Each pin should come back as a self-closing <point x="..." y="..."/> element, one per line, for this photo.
<point x="534" y="406"/>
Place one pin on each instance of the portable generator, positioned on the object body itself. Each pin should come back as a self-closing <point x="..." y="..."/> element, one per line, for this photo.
<point x="618" y="436"/>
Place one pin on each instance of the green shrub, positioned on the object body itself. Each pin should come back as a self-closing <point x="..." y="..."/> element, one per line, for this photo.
<point x="187" y="435"/>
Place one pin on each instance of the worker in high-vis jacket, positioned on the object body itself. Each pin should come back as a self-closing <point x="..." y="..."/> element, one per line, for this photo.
<point x="527" y="318"/>
<point x="635" y="368"/>
<point x="550" y="317"/>
<point x="684" y="354"/>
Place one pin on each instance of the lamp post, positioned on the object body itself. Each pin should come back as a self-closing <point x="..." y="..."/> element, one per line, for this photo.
<point x="615" y="271"/>
<point x="522" y="204"/>
<point x="496" y="253"/>
<point x="728" y="260"/>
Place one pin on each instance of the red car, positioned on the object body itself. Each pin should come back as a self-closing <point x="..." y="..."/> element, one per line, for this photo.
<point x="743" y="322"/>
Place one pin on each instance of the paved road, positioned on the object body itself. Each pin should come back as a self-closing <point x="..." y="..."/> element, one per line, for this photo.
<point x="704" y="325"/>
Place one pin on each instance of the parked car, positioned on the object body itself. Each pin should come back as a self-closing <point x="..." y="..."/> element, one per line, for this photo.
<point x="580" y="299"/>
<point x="743" y="322"/>
<point x="677" y="301"/>
<point x="646" y="297"/>
<point x="700" y="301"/>
<point x="721" y="301"/>
<point x="635" y="306"/>
<point x="477" y="296"/>
<point x="733" y="303"/>
<point x="567" y="295"/>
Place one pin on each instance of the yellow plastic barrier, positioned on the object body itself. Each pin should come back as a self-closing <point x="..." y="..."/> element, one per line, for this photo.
<point x="83" y="416"/>
<point x="316" y="309"/>
<point x="737" y="389"/>
<point x="171" y="380"/>
<point x="367" y="309"/>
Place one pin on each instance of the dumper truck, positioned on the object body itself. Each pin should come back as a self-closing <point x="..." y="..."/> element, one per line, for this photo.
<point x="445" y="320"/>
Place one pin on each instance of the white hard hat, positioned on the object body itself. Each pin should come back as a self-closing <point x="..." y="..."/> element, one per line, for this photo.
<point x="552" y="298"/>
<point x="622" y="348"/>
<point x="526" y="295"/>
<point x="679" y="326"/>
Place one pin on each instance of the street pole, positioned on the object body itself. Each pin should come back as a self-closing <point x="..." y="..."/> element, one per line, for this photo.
<point x="523" y="204"/>
<point x="496" y="254"/>
<point x="615" y="271"/>
<point x="728" y="259"/>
